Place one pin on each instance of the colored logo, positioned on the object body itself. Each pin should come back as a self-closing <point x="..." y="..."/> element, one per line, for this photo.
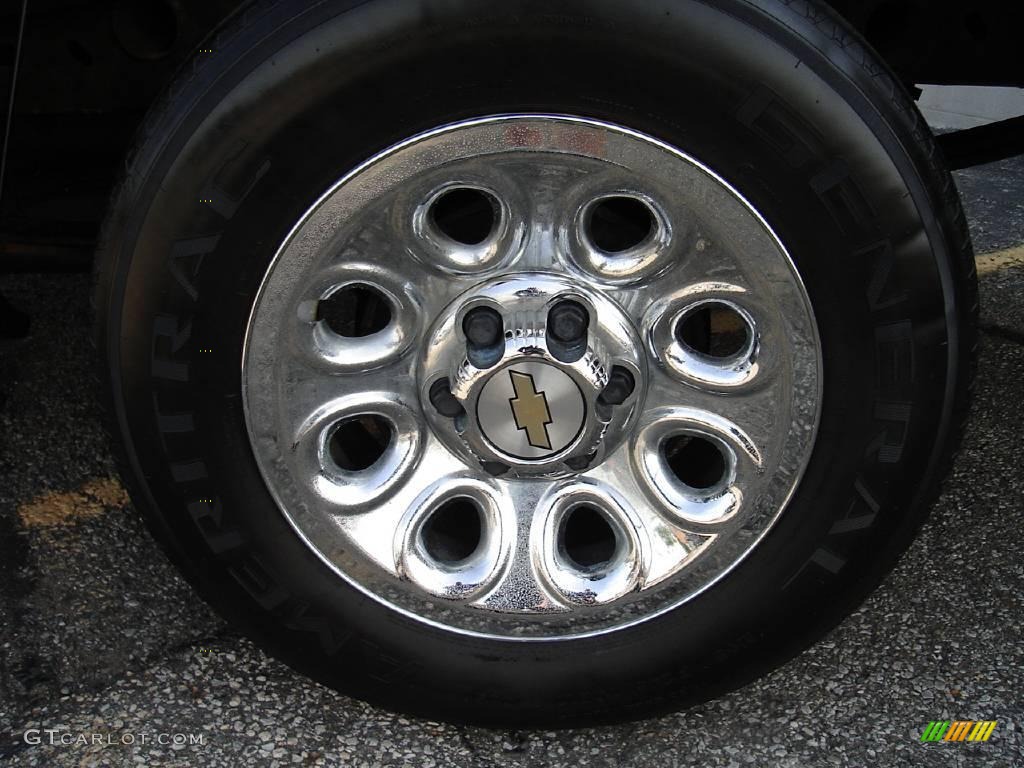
<point x="530" y="410"/>
<point x="958" y="730"/>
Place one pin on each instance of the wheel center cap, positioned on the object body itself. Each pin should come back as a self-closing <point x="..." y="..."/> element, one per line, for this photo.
<point x="523" y="375"/>
<point x="531" y="411"/>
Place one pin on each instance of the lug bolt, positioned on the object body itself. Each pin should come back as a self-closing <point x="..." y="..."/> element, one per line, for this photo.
<point x="443" y="400"/>
<point x="482" y="326"/>
<point x="568" y="322"/>
<point x="620" y="386"/>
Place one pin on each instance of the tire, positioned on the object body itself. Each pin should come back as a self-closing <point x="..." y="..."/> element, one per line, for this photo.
<point x="780" y="99"/>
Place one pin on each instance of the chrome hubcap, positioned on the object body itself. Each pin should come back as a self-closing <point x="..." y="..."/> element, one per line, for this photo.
<point x="531" y="377"/>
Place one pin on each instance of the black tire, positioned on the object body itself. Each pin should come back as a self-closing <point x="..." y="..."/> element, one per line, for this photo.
<point x="780" y="98"/>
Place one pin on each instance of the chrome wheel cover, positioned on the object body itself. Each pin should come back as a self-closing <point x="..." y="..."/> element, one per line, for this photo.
<point x="525" y="440"/>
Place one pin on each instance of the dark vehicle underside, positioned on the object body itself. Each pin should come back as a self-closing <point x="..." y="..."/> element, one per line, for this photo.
<point x="89" y="70"/>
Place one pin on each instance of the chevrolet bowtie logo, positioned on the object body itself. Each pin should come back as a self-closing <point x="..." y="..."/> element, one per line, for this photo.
<point x="530" y="409"/>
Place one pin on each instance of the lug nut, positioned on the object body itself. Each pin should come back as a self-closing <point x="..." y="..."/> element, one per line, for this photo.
<point x="443" y="400"/>
<point x="620" y="386"/>
<point x="567" y="331"/>
<point x="482" y="326"/>
<point x="568" y="322"/>
<point x="485" y="336"/>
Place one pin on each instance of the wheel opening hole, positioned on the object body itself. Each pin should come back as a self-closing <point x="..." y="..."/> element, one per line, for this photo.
<point x="355" y="444"/>
<point x="695" y="461"/>
<point x="465" y="215"/>
<point x="714" y="329"/>
<point x="453" y="532"/>
<point x="355" y="310"/>
<point x="588" y="539"/>
<point x="619" y="223"/>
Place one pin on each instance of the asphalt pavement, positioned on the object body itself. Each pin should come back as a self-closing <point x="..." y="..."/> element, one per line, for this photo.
<point x="101" y="641"/>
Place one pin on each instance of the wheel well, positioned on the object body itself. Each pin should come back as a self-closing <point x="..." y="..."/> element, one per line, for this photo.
<point x="89" y="71"/>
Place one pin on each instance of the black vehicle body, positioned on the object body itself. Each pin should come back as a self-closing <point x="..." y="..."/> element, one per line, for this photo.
<point x="89" y="69"/>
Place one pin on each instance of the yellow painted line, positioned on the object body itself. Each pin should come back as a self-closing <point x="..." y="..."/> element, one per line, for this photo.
<point x="89" y="501"/>
<point x="987" y="263"/>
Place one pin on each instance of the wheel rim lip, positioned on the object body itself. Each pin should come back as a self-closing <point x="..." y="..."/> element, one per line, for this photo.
<point x="707" y="583"/>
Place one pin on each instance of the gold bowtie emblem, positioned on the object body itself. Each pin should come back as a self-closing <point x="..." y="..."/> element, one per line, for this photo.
<point x="530" y="410"/>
